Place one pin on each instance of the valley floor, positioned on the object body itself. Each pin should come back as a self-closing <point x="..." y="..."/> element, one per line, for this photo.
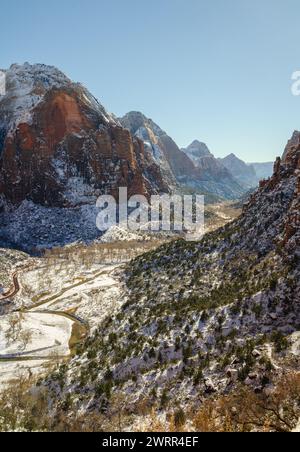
<point x="50" y="314"/>
<point x="53" y="303"/>
<point x="49" y="304"/>
<point x="82" y="320"/>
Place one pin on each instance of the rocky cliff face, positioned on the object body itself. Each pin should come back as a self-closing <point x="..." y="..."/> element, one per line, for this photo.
<point x="175" y="164"/>
<point x="152" y="136"/>
<point x="288" y="169"/>
<point x="194" y="168"/>
<point x="59" y="147"/>
<point x="214" y="176"/>
<point x="60" y="150"/>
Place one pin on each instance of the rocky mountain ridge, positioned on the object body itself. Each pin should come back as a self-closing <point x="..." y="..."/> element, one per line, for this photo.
<point x="59" y="151"/>
<point x="196" y="150"/>
<point x="194" y="168"/>
<point x="60" y="148"/>
<point x="203" y="319"/>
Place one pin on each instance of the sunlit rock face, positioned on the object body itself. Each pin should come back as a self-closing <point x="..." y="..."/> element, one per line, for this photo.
<point x="193" y="168"/>
<point x="59" y="147"/>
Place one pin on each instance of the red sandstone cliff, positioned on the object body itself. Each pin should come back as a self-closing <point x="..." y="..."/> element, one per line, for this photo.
<point x="59" y="147"/>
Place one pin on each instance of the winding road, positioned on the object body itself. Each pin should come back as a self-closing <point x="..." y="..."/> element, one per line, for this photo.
<point x="35" y="309"/>
<point x="14" y="290"/>
<point x="53" y="317"/>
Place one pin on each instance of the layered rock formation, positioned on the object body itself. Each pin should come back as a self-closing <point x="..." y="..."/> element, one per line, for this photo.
<point x="173" y="162"/>
<point x="194" y="168"/>
<point x="60" y="150"/>
<point x="59" y="147"/>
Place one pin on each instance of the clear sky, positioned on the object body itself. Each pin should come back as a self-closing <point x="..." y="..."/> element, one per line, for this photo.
<point x="216" y="70"/>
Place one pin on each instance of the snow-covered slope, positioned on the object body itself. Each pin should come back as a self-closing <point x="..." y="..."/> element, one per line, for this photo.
<point x="60" y="149"/>
<point x="203" y="318"/>
<point x="26" y="87"/>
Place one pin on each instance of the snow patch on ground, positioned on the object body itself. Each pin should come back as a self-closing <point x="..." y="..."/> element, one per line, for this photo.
<point x="33" y="226"/>
<point x="50" y="334"/>
<point x="120" y="233"/>
<point x="90" y="292"/>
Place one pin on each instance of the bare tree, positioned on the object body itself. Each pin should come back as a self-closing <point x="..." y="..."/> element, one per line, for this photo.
<point x="14" y="328"/>
<point x="26" y="338"/>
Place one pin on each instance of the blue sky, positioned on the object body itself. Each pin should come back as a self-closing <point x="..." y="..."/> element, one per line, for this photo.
<point x="216" y="70"/>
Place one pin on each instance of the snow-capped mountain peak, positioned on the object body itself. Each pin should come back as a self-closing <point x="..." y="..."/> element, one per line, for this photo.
<point x="196" y="150"/>
<point x="27" y="86"/>
<point x="59" y="146"/>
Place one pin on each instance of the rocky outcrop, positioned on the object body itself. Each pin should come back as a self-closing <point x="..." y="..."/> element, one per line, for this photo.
<point x="60" y="148"/>
<point x="284" y="187"/>
<point x="292" y="145"/>
<point x="193" y="168"/>
<point x="291" y="165"/>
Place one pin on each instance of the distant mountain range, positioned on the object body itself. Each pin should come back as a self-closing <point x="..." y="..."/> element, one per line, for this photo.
<point x="263" y="170"/>
<point x="201" y="173"/>
<point x="59" y="148"/>
<point x="250" y="174"/>
<point x="194" y="167"/>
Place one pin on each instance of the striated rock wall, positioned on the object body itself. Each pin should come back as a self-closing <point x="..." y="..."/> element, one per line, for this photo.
<point x="65" y="150"/>
<point x="194" y="168"/>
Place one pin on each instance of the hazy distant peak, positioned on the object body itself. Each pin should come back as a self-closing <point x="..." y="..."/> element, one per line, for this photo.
<point x="232" y="156"/>
<point x="198" y="149"/>
<point x="135" y="120"/>
<point x="234" y="160"/>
